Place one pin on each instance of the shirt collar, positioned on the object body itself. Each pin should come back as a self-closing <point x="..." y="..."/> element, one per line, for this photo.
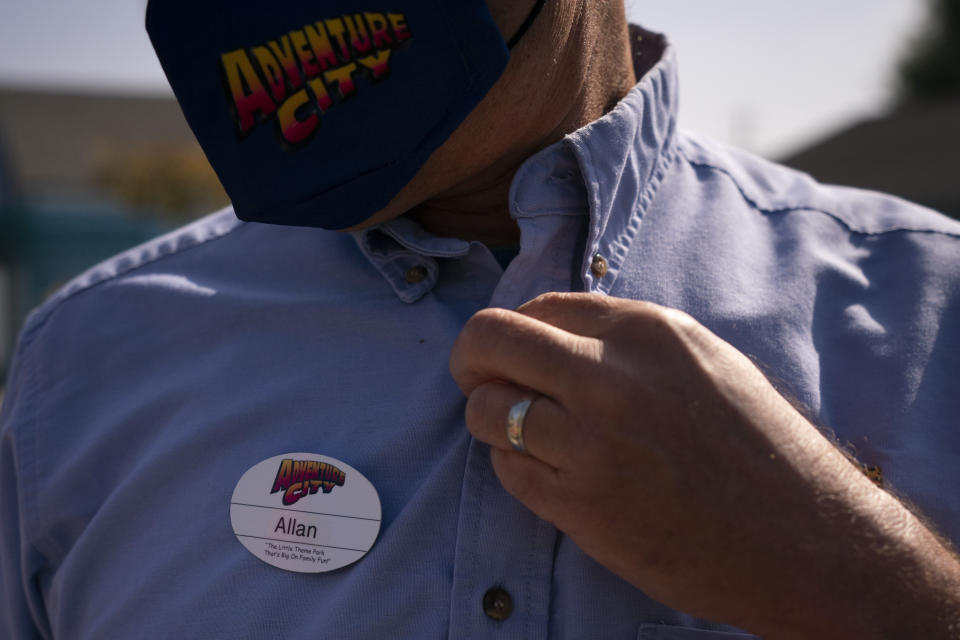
<point x="406" y="255"/>
<point x="609" y="170"/>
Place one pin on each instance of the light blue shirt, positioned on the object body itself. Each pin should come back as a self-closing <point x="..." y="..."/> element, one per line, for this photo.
<point x="144" y="389"/>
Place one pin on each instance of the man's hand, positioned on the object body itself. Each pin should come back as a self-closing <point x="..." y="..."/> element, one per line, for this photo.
<point x="670" y="459"/>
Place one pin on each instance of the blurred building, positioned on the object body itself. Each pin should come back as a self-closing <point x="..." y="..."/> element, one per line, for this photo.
<point x="82" y="177"/>
<point x="131" y="152"/>
<point x="914" y="153"/>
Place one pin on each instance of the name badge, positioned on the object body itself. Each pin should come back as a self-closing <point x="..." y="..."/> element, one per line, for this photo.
<point x="305" y="512"/>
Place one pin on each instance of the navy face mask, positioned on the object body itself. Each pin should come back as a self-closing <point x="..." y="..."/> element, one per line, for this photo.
<point x="319" y="113"/>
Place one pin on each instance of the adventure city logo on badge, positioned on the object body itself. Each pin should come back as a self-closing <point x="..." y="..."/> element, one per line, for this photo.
<point x="300" y="478"/>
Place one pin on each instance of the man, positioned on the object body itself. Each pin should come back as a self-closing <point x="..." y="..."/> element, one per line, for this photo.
<point x="630" y="473"/>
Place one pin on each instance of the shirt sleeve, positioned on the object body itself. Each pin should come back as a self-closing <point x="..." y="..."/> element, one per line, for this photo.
<point x="22" y="611"/>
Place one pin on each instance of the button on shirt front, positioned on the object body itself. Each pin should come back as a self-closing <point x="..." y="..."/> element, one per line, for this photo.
<point x="144" y="389"/>
<point x="497" y="604"/>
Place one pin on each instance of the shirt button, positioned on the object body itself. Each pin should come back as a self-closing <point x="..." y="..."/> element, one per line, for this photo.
<point x="875" y="474"/>
<point x="497" y="604"/>
<point x="599" y="266"/>
<point x="416" y="275"/>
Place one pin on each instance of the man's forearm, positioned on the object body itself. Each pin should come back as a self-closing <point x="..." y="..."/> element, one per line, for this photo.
<point x="878" y="572"/>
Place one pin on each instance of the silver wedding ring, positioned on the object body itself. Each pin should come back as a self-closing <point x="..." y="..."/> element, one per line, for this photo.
<point x="515" y="419"/>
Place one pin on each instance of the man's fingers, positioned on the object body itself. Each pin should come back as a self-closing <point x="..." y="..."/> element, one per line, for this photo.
<point x="549" y="431"/>
<point x="583" y="314"/>
<point x="593" y="315"/>
<point x="497" y="344"/>
<point x="530" y="481"/>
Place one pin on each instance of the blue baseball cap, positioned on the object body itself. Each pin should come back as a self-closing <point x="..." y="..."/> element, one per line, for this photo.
<point x="318" y="114"/>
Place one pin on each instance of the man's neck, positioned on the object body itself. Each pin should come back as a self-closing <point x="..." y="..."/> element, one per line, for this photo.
<point x="555" y="89"/>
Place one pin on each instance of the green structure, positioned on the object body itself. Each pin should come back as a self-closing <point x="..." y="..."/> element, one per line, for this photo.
<point x="42" y="247"/>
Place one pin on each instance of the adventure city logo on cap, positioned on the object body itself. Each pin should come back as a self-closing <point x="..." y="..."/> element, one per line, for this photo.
<point x="305" y="512"/>
<point x="318" y="114"/>
<point x="294" y="77"/>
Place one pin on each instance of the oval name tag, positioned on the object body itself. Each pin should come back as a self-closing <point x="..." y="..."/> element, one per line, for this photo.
<point x="305" y="512"/>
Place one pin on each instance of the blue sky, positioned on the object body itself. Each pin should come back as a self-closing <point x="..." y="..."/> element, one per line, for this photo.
<point x="765" y="74"/>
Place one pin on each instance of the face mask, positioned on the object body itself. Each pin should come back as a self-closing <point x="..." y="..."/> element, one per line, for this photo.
<point x="318" y="114"/>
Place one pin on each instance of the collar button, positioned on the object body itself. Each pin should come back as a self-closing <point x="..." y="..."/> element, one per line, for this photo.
<point x="416" y="275"/>
<point x="599" y="266"/>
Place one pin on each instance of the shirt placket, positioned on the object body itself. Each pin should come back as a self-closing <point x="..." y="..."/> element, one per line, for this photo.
<point x="504" y="560"/>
